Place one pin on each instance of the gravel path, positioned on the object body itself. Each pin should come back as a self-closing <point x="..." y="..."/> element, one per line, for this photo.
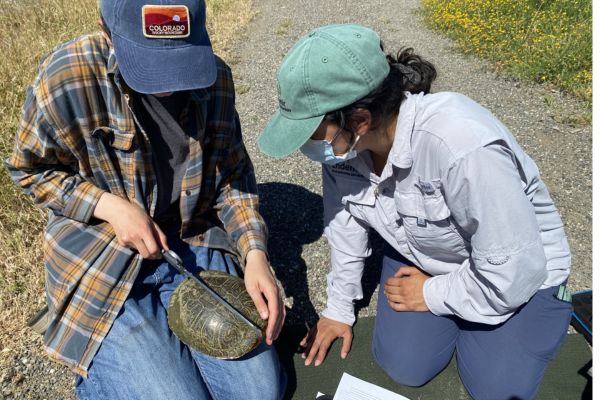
<point x="291" y="189"/>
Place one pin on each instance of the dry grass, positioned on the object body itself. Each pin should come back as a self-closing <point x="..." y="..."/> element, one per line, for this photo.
<point x="29" y="29"/>
<point x="225" y="19"/>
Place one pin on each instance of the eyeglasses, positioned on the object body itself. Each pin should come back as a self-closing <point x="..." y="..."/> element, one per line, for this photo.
<point x="338" y="117"/>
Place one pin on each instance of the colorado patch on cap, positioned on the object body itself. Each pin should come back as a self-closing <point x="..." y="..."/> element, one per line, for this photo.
<point x="164" y="22"/>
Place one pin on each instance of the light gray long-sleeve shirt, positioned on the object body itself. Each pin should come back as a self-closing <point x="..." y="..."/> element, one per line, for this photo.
<point x="460" y="199"/>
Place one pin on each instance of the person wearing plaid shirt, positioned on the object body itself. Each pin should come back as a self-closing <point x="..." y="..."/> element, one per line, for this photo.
<point x="130" y="138"/>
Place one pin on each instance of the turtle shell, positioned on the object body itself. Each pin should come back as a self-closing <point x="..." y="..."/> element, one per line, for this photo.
<point x="205" y="325"/>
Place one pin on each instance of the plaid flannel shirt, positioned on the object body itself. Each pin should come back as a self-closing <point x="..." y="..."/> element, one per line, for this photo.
<point x="79" y="138"/>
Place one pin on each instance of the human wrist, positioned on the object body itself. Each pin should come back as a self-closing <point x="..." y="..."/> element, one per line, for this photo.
<point x="345" y="316"/>
<point x="251" y="240"/>
<point x="256" y="257"/>
<point x="435" y="291"/>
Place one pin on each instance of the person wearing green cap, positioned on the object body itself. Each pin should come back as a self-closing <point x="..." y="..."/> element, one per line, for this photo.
<point x="475" y="257"/>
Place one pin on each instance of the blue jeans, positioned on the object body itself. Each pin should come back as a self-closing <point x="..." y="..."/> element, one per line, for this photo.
<point x="141" y="358"/>
<point x="505" y="361"/>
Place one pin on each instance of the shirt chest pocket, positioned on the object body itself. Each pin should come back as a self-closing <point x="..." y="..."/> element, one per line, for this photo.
<point x="428" y="224"/>
<point x="113" y="159"/>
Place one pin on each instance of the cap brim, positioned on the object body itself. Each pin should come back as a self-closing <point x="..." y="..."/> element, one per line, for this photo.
<point x="282" y="136"/>
<point x="160" y="70"/>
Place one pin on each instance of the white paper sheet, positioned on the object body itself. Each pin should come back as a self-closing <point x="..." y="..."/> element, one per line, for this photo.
<point x="351" y="388"/>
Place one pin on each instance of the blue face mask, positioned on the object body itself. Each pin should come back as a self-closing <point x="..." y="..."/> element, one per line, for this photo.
<point x="322" y="151"/>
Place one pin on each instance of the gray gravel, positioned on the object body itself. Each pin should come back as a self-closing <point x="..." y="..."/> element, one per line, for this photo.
<point x="291" y="189"/>
<point x="532" y="112"/>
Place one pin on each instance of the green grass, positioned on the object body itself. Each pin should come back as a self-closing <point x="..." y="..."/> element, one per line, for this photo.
<point x="242" y="88"/>
<point x="546" y="41"/>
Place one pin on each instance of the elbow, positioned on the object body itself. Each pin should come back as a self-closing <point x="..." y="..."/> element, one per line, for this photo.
<point x="532" y="276"/>
<point x="533" y="279"/>
<point x="535" y="271"/>
<point x="518" y="279"/>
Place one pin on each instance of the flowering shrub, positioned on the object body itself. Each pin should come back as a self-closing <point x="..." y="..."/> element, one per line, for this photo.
<point x="542" y="40"/>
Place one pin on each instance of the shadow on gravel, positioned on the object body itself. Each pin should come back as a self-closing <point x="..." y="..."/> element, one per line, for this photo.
<point x="294" y="216"/>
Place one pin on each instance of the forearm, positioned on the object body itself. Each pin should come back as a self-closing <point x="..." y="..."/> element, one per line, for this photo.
<point x="110" y="206"/>
<point x="343" y="288"/>
<point x="238" y="205"/>
<point x="349" y="247"/>
<point x="244" y="224"/>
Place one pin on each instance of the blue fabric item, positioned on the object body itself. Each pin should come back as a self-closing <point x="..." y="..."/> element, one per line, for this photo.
<point x="505" y="361"/>
<point x="582" y="313"/>
<point x="141" y="358"/>
<point x="163" y="62"/>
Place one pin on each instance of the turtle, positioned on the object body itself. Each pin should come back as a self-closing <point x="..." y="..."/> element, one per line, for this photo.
<point x="205" y="325"/>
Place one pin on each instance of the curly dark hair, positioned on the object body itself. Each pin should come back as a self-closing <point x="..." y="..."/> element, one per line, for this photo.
<point x="409" y="72"/>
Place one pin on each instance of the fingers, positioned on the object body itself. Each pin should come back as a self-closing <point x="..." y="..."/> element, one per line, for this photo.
<point x="409" y="270"/>
<point x="160" y="237"/>
<point x="303" y="341"/>
<point x="321" y="336"/>
<point x="141" y="248"/>
<point x="145" y="237"/>
<point x="318" y="349"/>
<point x="393" y="282"/>
<point x="263" y="290"/>
<point x="395" y="293"/>
<point x="404" y="270"/>
<point x="152" y="247"/>
<point x="259" y="301"/>
<point x="398" y="306"/>
<point x="308" y="337"/>
<point x="346" y="343"/>
<point x="276" y="311"/>
<point x="280" y="318"/>
<point x="263" y="309"/>
<point x="395" y="289"/>
<point x="273" y="315"/>
<point x="155" y="240"/>
<point x="274" y="306"/>
<point x="396" y="298"/>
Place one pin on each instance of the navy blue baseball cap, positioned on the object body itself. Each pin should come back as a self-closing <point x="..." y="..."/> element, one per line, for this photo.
<point x="161" y="45"/>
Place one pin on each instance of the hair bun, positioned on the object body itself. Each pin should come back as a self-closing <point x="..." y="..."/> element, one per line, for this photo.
<point x="408" y="73"/>
<point x="416" y="74"/>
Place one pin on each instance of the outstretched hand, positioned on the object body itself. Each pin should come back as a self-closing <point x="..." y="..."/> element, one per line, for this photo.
<point x="404" y="290"/>
<point x="318" y="340"/>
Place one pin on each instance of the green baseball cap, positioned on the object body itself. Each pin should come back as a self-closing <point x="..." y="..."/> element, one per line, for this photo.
<point x="331" y="67"/>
